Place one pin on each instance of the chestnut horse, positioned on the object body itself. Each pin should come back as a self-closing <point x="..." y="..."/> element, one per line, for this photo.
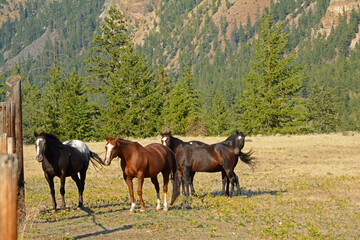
<point x="143" y="162"/>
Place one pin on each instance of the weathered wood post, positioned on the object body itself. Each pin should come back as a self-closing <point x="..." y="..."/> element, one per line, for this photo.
<point x="13" y="97"/>
<point x="8" y="196"/>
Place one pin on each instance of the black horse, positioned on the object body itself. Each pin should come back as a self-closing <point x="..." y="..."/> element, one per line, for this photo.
<point x="175" y="144"/>
<point x="218" y="157"/>
<point x="61" y="160"/>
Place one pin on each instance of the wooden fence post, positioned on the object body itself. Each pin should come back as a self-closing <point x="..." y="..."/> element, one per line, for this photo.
<point x="13" y="95"/>
<point x="8" y="197"/>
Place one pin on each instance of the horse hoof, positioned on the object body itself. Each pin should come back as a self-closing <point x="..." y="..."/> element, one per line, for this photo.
<point x="158" y="209"/>
<point x="165" y="210"/>
<point x="142" y="210"/>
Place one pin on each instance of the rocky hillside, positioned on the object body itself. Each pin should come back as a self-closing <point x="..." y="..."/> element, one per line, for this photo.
<point x="142" y="13"/>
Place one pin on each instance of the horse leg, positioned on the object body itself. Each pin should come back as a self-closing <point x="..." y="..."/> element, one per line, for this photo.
<point x="192" y="174"/>
<point x="50" y="180"/>
<point x="129" y="182"/>
<point x="155" y="181"/>
<point x="165" y="188"/>
<point x="187" y="179"/>
<point x="62" y="189"/>
<point x="80" y="189"/>
<point x="231" y="176"/>
<point x="225" y="183"/>
<point x="183" y="185"/>
<point x="237" y="184"/>
<point x="139" y="192"/>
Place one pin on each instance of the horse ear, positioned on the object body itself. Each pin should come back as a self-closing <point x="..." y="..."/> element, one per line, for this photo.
<point x="36" y="134"/>
<point x="106" y="138"/>
<point x="169" y="132"/>
<point x="117" y="138"/>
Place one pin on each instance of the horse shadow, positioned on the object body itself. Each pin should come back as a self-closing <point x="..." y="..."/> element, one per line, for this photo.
<point x="89" y="212"/>
<point x="186" y="203"/>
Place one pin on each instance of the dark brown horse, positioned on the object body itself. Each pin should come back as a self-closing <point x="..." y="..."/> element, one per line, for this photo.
<point x="143" y="162"/>
<point x="217" y="157"/>
<point x="62" y="160"/>
<point x="237" y="141"/>
<point x="175" y="144"/>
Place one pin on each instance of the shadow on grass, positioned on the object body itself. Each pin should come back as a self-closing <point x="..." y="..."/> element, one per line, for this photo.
<point x="88" y="210"/>
<point x="104" y="232"/>
<point x="185" y="203"/>
<point x="249" y="193"/>
<point x="92" y="212"/>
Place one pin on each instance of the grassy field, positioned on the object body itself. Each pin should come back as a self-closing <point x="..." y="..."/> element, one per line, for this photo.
<point x="303" y="187"/>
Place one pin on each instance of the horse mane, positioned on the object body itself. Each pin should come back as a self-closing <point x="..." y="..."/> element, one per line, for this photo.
<point x="50" y="136"/>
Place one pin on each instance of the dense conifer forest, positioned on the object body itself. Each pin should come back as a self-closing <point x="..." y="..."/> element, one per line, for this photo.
<point x="189" y="75"/>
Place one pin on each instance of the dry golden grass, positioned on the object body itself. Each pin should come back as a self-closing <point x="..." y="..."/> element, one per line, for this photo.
<point x="303" y="187"/>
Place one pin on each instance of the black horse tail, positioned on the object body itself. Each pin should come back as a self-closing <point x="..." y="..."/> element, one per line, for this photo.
<point x="248" y="159"/>
<point x="96" y="160"/>
<point x="176" y="181"/>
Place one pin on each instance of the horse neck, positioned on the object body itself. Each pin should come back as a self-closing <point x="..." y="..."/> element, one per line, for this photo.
<point x="125" y="149"/>
<point x="52" y="149"/>
<point x="175" y="143"/>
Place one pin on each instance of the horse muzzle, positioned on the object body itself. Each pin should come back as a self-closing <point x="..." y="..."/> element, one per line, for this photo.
<point x="39" y="158"/>
<point x="107" y="162"/>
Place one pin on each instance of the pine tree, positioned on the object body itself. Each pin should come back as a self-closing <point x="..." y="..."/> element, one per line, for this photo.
<point x="323" y="109"/>
<point x="31" y="110"/>
<point x="163" y="88"/>
<point x="76" y="113"/>
<point x="184" y="105"/>
<point x="125" y="81"/>
<point x="218" y="124"/>
<point x="109" y="46"/>
<point x="265" y="106"/>
<point x="52" y="101"/>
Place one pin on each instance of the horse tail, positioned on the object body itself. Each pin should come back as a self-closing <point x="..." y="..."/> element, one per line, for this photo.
<point x="96" y="160"/>
<point x="176" y="181"/>
<point x="248" y="159"/>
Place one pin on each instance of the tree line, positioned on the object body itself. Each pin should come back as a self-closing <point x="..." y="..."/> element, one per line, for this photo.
<point x="122" y="95"/>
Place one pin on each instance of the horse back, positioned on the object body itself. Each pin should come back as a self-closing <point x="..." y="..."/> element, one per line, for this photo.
<point x="74" y="159"/>
<point x="158" y="157"/>
<point x="201" y="159"/>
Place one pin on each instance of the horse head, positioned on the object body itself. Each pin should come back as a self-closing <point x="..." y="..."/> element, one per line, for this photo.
<point x="111" y="150"/>
<point x="165" y="138"/>
<point x="237" y="141"/>
<point x="40" y="144"/>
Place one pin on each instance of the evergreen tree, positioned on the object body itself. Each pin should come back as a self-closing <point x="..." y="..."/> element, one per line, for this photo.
<point x="162" y="95"/>
<point x="323" y="109"/>
<point x="184" y="105"/>
<point x="125" y="80"/>
<point x="265" y="106"/>
<point x="109" y="46"/>
<point x="31" y="110"/>
<point x="76" y="114"/>
<point x="218" y="123"/>
<point x="52" y="101"/>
